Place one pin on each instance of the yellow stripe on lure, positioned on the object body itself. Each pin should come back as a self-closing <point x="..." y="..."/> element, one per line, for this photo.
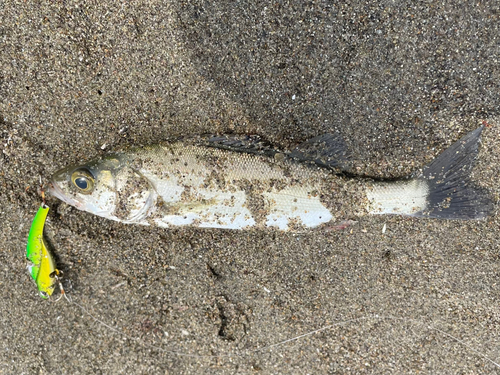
<point x="41" y="264"/>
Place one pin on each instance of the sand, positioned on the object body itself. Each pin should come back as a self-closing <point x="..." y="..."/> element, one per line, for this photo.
<point x="400" y="81"/>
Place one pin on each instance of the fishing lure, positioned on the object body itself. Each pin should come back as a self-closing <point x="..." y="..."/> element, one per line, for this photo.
<point x="41" y="264"/>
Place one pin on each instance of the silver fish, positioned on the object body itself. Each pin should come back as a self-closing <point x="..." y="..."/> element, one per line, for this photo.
<point x="239" y="183"/>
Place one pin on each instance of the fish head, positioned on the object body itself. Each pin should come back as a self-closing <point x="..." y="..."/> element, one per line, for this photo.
<point x="108" y="187"/>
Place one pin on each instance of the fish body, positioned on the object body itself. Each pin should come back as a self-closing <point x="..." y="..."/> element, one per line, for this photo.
<point x="41" y="265"/>
<point x="233" y="184"/>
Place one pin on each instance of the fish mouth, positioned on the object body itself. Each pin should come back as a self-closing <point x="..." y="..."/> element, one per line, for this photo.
<point x="57" y="192"/>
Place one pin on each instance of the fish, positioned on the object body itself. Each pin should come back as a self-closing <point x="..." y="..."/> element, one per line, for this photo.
<point x="41" y="264"/>
<point x="242" y="182"/>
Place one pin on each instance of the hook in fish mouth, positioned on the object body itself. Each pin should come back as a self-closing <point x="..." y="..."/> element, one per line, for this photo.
<point x="57" y="192"/>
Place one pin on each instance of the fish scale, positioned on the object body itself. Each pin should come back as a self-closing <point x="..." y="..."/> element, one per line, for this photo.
<point x="210" y="187"/>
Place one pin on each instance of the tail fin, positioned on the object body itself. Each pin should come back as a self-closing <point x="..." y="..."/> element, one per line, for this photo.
<point x="451" y="195"/>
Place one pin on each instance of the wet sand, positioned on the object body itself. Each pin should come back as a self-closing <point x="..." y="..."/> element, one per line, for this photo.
<point x="400" y="82"/>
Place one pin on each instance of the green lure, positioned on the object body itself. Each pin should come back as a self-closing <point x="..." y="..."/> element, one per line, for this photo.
<point x="41" y="264"/>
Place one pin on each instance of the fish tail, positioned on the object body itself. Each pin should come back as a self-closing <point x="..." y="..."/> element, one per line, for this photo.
<point x="451" y="194"/>
<point x="442" y="190"/>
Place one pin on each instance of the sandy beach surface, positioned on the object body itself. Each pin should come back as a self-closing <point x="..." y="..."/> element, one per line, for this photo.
<point x="401" y="82"/>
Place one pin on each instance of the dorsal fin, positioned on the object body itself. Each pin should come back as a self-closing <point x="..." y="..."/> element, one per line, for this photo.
<point x="252" y="144"/>
<point x="326" y="150"/>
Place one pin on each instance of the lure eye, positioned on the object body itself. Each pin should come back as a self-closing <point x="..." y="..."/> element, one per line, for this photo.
<point x="56" y="274"/>
<point x="83" y="180"/>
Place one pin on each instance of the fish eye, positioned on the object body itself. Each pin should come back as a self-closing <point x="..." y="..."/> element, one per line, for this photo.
<point x="83" y="180"/>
